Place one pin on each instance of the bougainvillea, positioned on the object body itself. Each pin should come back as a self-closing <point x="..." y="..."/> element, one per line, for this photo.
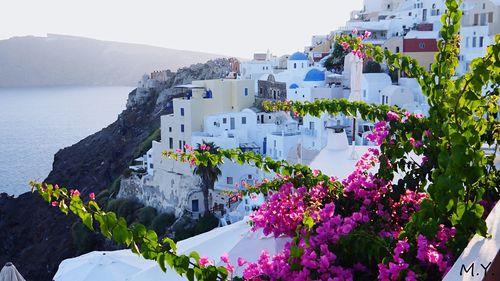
<point x="405" y="212"/>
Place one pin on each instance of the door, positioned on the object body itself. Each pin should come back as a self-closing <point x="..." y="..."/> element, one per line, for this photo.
<point x="195" y="206"/>
<point x="424" y="15"/>
<point x="232" y="123"/>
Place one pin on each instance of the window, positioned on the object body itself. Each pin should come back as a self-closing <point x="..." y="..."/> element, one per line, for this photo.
<point x="246" y="92"/>
<point x="388" y="6"/>
<point x="171" y="143"/>
<point x="170" y="129"/>
<point x="243" y="120"/>
<point x="151" y="166"/>
<point x="229" y="180"/>
<point x="386" y="99"/>
<point x="182" y="128"/>
<point x="474" y="42"/>
<point x="476" y="19"/>
<point x="364" y="93"/>
<point x="383" y="99"/>
<point x="483" y="19"/>
<point x="180" y="144"/>
<point x="182" y="111"/>
<point x="490" y="17"/>
<point x="466" y="42"/>
<point x="224" y="120"/>
<point x="397" y="49"/>
<point x="484" y="6"/>
<point x="421" y="45"/>
<point x="481" y="39"/>
<point x="250" y="177"/>
<point x="294" y="65"/>
<point x="274" y="143"/>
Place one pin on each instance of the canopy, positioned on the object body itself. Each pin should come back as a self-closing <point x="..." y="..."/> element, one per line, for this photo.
<point x="9" y="273"/>
<point x="102" y="266"/>
<point x="237" y="240"/>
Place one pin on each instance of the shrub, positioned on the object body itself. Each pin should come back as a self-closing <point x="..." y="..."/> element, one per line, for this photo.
<point x="161" y="222"/>
<point x="84" y="239"/>
<point x="124" y="207"/>
<point x="145" y="215"/>
<point x="372" y="67"/>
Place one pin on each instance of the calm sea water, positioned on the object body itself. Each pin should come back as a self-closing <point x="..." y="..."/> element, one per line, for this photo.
<point x="36" y="122"/>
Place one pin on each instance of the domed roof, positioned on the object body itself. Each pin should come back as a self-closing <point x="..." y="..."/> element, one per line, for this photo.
<point x="298" y="56"/>
<point x="294" y="86"/>
<point x="315" y="75"/>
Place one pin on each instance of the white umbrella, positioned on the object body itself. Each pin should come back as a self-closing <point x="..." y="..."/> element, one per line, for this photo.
<point x="105" y="266"/>
<point x="9" y="273"/>
<point x="237" y="240"/>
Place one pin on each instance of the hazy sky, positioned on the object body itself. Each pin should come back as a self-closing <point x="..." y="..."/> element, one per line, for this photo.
<point x="229" y="27"/>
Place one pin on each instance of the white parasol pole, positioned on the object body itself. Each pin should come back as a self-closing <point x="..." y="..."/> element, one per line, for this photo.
<point x="356" y="73"/>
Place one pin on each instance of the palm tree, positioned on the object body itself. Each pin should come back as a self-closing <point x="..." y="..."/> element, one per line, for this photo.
<point x="208" y="174"/>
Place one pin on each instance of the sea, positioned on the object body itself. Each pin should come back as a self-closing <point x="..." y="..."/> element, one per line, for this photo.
<point x="37" y="122"/>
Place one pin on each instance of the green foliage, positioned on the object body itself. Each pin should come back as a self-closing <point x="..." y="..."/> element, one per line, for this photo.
<point x="114" y="188"/>
<point x="189" y="228"/>
<point x="336" y="58"/>
<point x="208" y="173"/>
<point x="84" y="239"/>
<point x="145" y="145"/>
<point x="206" y="223"/>
<point x="127" y="173"/>
<point x="372" y="67"/>
<point x="457" y="175"/>
<point x="161" y="222"/>
<point x="124" y="207"/>
<point x="145" y="215"/>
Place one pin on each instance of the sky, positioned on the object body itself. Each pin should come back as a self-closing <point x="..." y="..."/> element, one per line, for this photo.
<point x="227" y="27"/>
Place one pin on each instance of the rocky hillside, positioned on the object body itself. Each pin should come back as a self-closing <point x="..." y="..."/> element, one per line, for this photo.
<point x="58" y="60"/>
<point x="37" y="237"/>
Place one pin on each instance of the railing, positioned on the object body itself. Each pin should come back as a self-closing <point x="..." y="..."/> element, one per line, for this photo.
<point x="309" y="132"/>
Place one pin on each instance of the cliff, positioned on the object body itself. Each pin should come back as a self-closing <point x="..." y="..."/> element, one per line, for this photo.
<point x="58" y="60"/>
<point x="35" y="236"/>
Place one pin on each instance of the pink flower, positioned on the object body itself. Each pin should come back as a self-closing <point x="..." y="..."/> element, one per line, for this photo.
<point x="241" y="262"/>
<point x="54" y="203"/>
<point x="412" y="142"/>
<point x="392" y="116"/>
<point x="345" y="45"/>
<point x="229" y="268"/>
<point x="315" y="173"/>
<point x="76" y="192"/>
<point x="203" y="261"/>
<point x="56" y="187"/>
<point x="225" y="258"/>
<point x="427" y="133"/>
<point x="355" y="31"/>
<point x="92" y="196"/>
<point x="367" y="34"/>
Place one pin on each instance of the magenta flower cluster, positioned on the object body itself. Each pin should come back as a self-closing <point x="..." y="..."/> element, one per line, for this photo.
<point x="365" y="203"/>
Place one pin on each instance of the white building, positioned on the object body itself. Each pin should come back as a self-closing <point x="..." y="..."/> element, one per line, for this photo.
<point x="175" y="180"/>
<point x="372" y="85"/>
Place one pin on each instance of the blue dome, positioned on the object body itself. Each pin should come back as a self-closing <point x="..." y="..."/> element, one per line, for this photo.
<point x="294" y="86"/>
<point x="315" y="75"/>
<point x="298" y="56"/>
